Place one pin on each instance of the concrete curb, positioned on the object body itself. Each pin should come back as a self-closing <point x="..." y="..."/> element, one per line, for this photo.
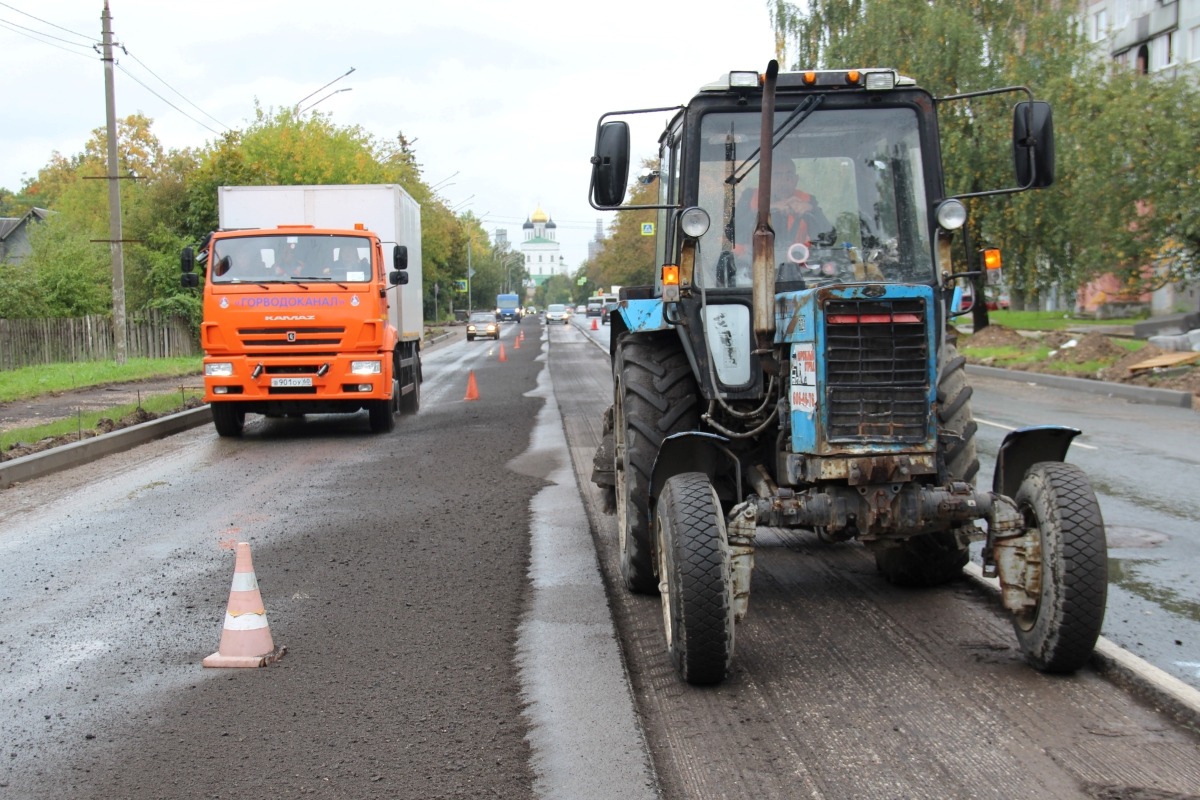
<point x="1166" y="692"/>
<point x="1136" y="394"/>
<point x="71" y="455"/>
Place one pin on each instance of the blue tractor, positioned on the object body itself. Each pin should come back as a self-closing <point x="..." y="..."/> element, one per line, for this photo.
<point x="794" y="364"/>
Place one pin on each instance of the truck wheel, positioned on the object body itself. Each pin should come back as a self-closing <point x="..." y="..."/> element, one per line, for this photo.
<point x="694" y="579"/>
<point x="228" y="419"/>
<point x="932" y="559"/>
<point x="654" y="396"/>
<point x="1059" y="634"/>
<point x="382" y="413"/>
<point x="411" y="403"/>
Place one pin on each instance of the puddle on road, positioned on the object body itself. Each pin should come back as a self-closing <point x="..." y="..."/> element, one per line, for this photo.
<point x="1122" y="536"/>
<point x="1128" y="575"/>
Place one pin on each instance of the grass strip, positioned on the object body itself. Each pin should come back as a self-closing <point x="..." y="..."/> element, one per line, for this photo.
<point x="27" y="382"/>
<point x="163" y="403"/>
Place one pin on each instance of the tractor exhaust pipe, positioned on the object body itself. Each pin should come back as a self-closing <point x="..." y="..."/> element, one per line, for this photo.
<point x="763" y="251"/>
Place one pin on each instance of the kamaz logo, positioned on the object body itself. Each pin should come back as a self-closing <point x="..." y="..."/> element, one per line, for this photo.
<point x="287" y="318"/>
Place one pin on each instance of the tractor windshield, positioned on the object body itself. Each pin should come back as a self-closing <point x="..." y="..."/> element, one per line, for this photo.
<point x="847" y="199"/>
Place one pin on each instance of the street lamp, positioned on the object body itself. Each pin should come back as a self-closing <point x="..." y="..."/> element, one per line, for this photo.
<point x="323" y="99"/>
<point x="508" y="262"/>
<point x="296" y="108"/>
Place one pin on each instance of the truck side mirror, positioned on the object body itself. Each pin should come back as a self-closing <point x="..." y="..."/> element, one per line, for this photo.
<point x="610" y="164"/>
<point x="1033" y="144"/>
<point x="189" y="280"/>
<point x="398" y="277"/>
<point x="400" y="258"/>
<point x="187" y="260"/>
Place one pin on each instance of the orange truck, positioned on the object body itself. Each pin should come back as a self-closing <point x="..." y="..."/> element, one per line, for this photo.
<point x="312" y="303"/>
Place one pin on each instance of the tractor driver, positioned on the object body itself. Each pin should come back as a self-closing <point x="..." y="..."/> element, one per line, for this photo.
<point x="796" y="217"/>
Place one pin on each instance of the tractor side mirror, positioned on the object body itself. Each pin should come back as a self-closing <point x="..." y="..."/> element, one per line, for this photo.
<point x="610" y="164"/>
<point x="1033" y="144"/>
<point x="400" y="258"/>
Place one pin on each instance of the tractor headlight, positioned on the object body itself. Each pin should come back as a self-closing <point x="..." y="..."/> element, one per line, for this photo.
<point x="951" y="215"/>
<point x="694" y="222"/>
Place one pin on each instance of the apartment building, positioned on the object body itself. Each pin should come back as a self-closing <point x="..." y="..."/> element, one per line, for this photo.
<point x="1151" y="36"/>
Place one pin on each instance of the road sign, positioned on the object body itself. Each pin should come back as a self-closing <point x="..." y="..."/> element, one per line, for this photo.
<point x="647" y="229"/>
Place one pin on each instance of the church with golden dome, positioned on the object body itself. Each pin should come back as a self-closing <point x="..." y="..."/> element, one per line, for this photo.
<point x="543" y="256"/>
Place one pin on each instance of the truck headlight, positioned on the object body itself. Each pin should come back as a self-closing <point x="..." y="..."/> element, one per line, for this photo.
<point x="365" y="367"/>
<point x="219" y="369"/>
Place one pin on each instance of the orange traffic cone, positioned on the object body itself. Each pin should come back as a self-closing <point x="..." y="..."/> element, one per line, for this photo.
<point x="595" y="327"/>
<point x="246" y="638"/>
<point x="522" y="336"/>
<point x="517" y="343"/>
<point x="502" y="356"/>
<point x="472" y="389"/>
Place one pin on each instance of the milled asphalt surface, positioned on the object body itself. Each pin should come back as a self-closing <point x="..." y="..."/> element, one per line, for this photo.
<point x="1121" y="666"/>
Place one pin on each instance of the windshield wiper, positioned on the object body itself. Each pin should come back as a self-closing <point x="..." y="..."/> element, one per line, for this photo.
<point x="296" y="278"/>
<point x="789" y="124"/>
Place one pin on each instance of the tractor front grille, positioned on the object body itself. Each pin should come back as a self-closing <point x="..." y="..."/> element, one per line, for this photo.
<point x="876" y="370"/>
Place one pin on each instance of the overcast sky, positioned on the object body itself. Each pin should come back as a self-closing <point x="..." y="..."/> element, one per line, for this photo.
<point x="500" y="98"/>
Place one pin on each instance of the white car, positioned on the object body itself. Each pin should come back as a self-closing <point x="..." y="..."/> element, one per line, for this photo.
<point x="557" y="312"/>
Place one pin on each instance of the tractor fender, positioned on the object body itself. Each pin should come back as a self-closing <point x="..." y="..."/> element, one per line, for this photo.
<point x="690" y="451"/>
<point x="1025" y="447"/>
<point x="640" y="316"/>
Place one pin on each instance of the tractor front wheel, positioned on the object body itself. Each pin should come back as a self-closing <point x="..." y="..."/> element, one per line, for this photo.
<point x="694" y="578"/>
<point x="1060" y="632"/>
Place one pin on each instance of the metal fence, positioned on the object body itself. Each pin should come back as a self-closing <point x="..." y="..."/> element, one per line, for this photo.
<point x="27" y="342"/>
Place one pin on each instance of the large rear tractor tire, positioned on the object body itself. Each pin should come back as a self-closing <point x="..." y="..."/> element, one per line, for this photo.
<point x="694" y="579"/>
<point x="654" y="396"/>
<point x="932" y="559"/>
<point x="1059" y="634"/>
<point x="228" y="419"/>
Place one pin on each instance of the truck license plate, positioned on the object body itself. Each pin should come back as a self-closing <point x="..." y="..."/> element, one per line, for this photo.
<point x="284" y="382"/>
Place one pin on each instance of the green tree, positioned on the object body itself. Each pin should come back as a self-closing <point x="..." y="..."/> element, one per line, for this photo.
<point x="1126" y="179"/>
<point x="628" y="257"/>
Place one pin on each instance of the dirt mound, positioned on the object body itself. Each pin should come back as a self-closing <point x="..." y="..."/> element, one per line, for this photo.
<point x="1082" y="349"/>
<point x="996" y="336"/>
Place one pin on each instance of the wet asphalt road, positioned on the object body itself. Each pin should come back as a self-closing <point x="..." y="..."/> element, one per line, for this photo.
<point x="393" y="568"/>
<point x="396" y="570"/>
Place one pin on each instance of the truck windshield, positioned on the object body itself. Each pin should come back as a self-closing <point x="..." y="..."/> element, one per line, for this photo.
<point x="847" y="199"/>
<point x="277" y="258"/>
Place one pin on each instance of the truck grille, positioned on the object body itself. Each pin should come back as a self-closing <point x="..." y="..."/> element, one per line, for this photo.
<point x="291" y="336"/>
<point x="876" y="370"/>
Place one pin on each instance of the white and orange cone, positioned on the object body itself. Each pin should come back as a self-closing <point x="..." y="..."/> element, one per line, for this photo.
<point x="246" y="638"/>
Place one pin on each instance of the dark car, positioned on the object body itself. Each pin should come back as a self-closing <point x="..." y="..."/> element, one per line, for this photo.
<point x="610" y="304"/>
<point x="483" y="323"/>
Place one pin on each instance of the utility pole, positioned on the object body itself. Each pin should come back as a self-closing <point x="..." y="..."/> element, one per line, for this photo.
<point x="116" y="246"/>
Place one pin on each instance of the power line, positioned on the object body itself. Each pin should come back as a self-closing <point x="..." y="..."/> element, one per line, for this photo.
<point x="165" y="100"/>
<point x="173" y="89"/>
<point x="91" y="39"/>
<point x="12" y="26"/>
